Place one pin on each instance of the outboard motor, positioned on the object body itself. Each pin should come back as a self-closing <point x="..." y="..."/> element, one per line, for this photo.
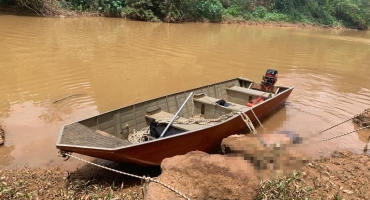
<point x="269" y="79"/>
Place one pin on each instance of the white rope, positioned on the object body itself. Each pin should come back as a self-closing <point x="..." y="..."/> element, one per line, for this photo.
<point x="345" y="134"/>
<point x="257" y="118"/>
<point x="248" y="122"/>
<point x="196" y="120"/>
<point x="366" y="111"/>
<point x="139" y="136"/>
<point x="127" y="174"/>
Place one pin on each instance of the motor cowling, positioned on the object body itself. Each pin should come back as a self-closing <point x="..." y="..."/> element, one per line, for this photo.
<point x="269" y="79"/>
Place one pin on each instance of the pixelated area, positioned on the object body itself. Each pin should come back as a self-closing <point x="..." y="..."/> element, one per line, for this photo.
<point x="271" y="155"/>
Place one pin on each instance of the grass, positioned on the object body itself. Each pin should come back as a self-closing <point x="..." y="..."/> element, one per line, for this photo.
<point x="287" y="187"/>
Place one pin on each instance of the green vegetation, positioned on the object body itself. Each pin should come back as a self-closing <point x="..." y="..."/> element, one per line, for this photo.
<point x="287" y="187"/>
<point x="333" y="13"/>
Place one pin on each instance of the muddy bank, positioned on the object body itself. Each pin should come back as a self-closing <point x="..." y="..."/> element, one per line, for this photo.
<point x="283" y="24"/>
<point x="363" y="119"/>
<point x="199" y="175"/>
<point x="342" y="175"/>
<point x="88" y="182"/>
<point x="2" y="135"/>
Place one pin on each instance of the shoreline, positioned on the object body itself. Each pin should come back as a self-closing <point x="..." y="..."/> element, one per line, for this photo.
<point x="325" y="177"/>
<point x="233" y="21"/>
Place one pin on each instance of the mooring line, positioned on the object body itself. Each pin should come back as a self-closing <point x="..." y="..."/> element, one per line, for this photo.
<point x="344" y="134"/>
<point x="63" y="154"/>
<point x="366" y="111"/>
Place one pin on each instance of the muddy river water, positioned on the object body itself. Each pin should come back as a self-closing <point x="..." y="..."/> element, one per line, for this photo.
<point x="113" y="62"/>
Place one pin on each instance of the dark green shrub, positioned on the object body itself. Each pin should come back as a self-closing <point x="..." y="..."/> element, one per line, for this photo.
<point x="234" y="11"/>
<point x="177" y="10"/>
<point x="140" y="10"/>
<point x="7" y="3"/>
<point x="350" y="14"/>
<point x="276" y="17"/>
<point x="209" y="9"/>
<point x="259" y="12"/>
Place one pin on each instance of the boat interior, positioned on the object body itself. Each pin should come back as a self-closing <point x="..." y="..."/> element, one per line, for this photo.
<point x="112" y="129"/>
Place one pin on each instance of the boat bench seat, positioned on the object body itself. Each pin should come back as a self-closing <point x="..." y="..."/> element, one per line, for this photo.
<point x="186" y="127"/>
<point x="212" y="101"/>
<point x="248" y="91"/>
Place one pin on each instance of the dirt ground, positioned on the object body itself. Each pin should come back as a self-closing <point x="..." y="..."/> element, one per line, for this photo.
<point x="88" y="182"/>
<point x="344" y="175"/>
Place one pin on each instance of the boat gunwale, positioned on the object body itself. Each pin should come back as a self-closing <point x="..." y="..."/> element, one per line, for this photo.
<point x="288" y="88"/>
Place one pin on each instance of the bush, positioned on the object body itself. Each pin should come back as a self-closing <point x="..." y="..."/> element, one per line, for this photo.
<point x="276" y="17"/>
<point x="351" y="14"/>
<point x="259" y="12"/>
<point x="140" y="10"/>
<point x="177" y="10"/>
<point x="7" y="3"/>
<point x="234" y="11"/>
<point x="209" y="9"/>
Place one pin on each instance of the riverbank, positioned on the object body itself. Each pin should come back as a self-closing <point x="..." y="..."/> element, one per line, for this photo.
<point x="2" y="135"/>
<point x="343" y="175"/>
<point x="262" y="23"/>
<point x="235" y="21"/>
<point x="350" y="14"/>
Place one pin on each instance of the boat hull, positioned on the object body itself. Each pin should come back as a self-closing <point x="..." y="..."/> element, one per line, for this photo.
<point x="207" y="139"/>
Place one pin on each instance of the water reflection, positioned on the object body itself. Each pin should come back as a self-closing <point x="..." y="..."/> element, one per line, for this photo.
<point x="5" y="155"/>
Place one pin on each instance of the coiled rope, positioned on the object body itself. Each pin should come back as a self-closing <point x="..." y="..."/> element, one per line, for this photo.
<point x="197" y="120"/>
<point x="139" y="136"/>
<point x="147" y="179"/>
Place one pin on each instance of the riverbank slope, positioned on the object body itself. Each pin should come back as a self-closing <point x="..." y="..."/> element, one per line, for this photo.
<point x="334" y="14"/>
<point x="342" y="175"/>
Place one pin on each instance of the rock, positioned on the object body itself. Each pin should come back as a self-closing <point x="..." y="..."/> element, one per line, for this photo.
<point x="363" y="119"/>
<point x="262" y="151"/>
<point x="202" y="176"/>
<point x="2" y="135"/>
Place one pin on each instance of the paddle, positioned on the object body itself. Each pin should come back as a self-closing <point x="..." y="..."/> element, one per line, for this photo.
<point x="177" y="113"/>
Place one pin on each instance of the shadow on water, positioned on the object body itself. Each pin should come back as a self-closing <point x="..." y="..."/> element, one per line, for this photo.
<point x="363" y="135"/>
<point x="23" y="13"/>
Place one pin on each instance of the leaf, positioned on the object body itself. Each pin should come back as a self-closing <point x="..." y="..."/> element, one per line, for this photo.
<point x="347" y="191"/>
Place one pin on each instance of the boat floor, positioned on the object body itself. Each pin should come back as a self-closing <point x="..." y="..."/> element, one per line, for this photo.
<point x="185" y="127"/>
<point x="232" y="106"/>
<point x="80" y="135"/>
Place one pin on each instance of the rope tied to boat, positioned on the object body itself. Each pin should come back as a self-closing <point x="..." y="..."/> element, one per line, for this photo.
<point x="145" y="178"/>
<point x="345" y="133"/>
<point x="248" y="122"/>
<point x="366" y="111"/>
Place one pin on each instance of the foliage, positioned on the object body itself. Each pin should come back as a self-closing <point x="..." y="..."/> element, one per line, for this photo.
<point x="348" y="13"/>
<point x="259" y="12"/>
<point x="209" y="9"/>
<point x="140" y="10"/>
<point x="289" y="187"/>
<point x="177" y="10"/>
<point x="234" y="11"/>
<point x="7" y="3"/>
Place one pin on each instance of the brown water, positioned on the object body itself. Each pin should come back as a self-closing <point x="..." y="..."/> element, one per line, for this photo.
<point x="113" y="62"/>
